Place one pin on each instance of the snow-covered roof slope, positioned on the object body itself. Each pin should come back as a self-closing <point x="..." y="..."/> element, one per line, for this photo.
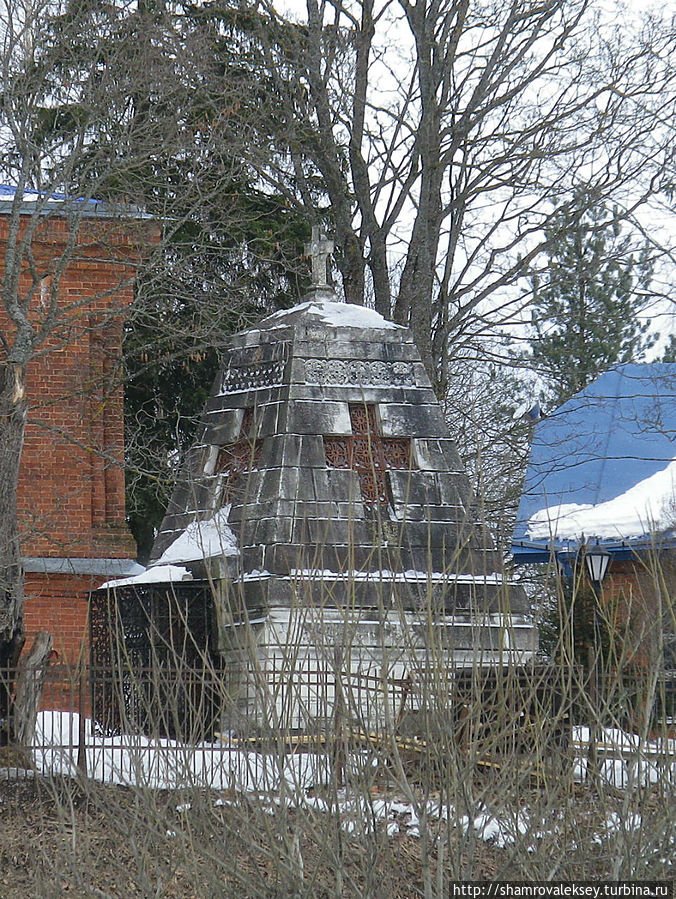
<point x="202" y="540"/>
<point x="156" y="574"/>
<point x="603" y="465"/>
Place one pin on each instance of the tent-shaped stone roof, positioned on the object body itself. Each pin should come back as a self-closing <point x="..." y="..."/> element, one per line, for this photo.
<point x="324" y="453"/>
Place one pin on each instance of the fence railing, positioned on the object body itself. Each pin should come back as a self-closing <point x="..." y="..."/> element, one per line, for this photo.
<point x="177" y="723"/>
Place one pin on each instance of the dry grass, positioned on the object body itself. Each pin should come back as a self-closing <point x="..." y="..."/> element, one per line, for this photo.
<point x="63" y="838"/>
<point x="492" y="748"/>
<point x="59" y="840"/>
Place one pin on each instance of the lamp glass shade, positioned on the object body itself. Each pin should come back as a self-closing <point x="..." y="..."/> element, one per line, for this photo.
<point x="597" y="564"/>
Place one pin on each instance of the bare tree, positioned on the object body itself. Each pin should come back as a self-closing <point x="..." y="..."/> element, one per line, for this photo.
<point x="88" y="113"/>
<point x="443" y="133"/>
<point x="48" y="126"/>
<point x="104" y="112"/>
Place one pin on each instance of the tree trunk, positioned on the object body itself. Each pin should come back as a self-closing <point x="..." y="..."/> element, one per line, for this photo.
<point x="29" y="688"/>
<point x="415" y="303"/>
<point x="351" y="263"/>
<point x="381" y="275"/>
<point x="12" y="425"/>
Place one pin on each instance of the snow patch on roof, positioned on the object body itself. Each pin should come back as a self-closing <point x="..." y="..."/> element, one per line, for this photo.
<point x="385" y="574"/>
<point x="347" y="315"/>
<point x="202" y="540"/>
<point x="156" y="574"/>
<point x="647" y="507"/>
<point x="341" y="315"/>
<point x="600" y="465"/>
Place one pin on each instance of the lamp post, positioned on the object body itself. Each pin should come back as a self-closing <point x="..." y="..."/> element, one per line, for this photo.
<point x="596" y="559"/>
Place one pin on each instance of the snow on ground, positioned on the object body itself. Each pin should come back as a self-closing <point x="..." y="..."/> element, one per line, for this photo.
<point x="165" y="764"/>
<point x="646" y="507"/>
<point x="614" y="825"/>
<point x="292" y="780"/>
<point x="624" y="760"/>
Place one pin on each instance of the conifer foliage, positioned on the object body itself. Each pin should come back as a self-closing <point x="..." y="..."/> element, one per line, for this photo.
<point x="588" y="297"/>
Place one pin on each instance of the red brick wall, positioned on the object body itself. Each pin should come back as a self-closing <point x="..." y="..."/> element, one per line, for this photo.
<point x="621" y="581"/>
<point x="72" y="481"/>
<point x="629" y="600"/>
<point x="71" y="486"/>
<point x="58" y="603"/>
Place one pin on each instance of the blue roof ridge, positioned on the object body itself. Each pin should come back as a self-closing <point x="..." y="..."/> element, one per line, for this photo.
<point x="49" y="202"/>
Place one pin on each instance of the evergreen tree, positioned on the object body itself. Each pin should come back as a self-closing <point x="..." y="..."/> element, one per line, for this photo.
<point x="669" y="352"/>
<point x="587" y="299"/>
<point x="207" y="284"/>
<point x="231" y="253"/>
<point x="181" y="142"/>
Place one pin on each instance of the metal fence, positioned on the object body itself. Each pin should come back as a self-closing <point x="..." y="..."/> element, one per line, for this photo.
<point x="167" y="725"/>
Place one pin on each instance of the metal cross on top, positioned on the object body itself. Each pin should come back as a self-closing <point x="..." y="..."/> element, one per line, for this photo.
<point x="319" y="250"/>
<point x="368" y="454"/>
<point x="237" y="459"/>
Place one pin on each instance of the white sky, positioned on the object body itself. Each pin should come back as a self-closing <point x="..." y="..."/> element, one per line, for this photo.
<point x="658" y="220"/>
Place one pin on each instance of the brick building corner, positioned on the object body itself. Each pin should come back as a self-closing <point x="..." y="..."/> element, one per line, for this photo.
<point x="71" y="484"/>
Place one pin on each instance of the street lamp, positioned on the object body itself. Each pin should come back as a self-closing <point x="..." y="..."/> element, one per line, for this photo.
<point x="596" y="560"/>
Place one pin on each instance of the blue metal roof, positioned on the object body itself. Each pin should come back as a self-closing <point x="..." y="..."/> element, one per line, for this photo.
<point x="616" y="432"/>
<point x="48" y="202"/>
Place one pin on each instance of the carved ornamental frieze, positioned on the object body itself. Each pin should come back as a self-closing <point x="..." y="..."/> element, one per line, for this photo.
<point x="253" y="377"/>
<point x="357" y="371"/>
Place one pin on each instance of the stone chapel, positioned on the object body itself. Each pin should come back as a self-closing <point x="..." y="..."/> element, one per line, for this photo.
<point x="324" y="507"/>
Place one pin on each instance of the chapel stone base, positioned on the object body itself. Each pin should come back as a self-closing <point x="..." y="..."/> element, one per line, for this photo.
<point x="299" y="668"/>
